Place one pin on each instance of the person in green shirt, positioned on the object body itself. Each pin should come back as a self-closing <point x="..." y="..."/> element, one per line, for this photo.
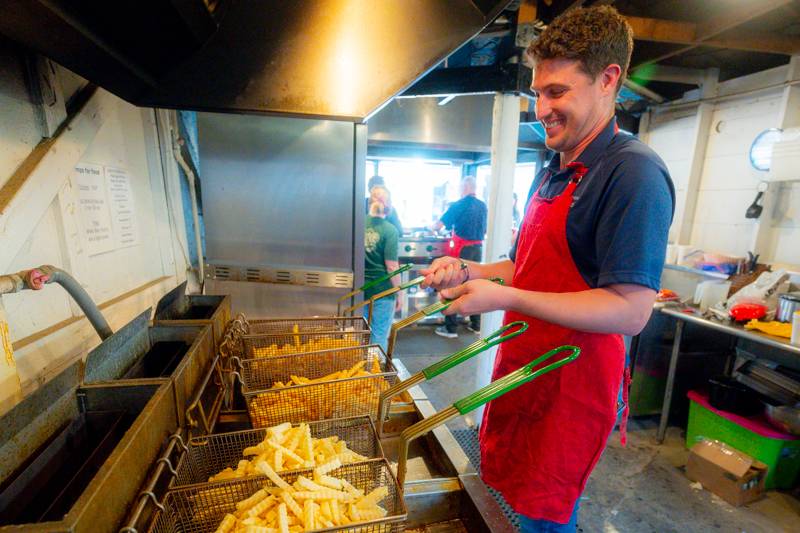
<point x="380" y="257"/>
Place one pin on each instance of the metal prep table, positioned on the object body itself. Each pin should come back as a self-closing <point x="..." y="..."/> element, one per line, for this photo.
<point x="682" y="316"/>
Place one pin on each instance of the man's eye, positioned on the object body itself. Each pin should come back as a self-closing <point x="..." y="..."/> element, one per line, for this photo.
<point x="556" y="93"/>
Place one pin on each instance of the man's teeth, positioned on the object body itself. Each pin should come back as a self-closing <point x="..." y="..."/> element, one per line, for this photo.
<point x="550" y="124"/>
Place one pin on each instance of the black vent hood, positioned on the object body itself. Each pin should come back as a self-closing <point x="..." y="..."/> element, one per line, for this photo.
<point x="340" y="59"/>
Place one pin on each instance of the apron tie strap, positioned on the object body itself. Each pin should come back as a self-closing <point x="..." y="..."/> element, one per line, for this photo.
<point x="623" y="423"/>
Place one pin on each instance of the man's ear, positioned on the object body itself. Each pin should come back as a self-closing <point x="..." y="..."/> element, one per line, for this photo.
<point x="610" y="77"/>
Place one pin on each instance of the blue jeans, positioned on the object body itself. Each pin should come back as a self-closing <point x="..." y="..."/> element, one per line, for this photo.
<point x="532" y="525"/>
<point x="383" y="310"/>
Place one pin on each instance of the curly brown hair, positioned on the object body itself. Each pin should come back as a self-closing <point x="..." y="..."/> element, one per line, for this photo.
<point x="595" y="36"/>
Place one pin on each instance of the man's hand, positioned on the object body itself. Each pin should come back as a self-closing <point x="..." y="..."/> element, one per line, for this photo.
<point x="476" y="296"/>
<point x="444" y="272"/>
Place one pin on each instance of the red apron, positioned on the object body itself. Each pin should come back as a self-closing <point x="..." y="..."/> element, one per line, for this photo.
<point x="540" y="442"/>
<point x="457" y="243"/>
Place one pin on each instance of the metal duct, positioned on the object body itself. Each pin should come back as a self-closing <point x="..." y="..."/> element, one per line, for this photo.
<point x="339" y="59"/>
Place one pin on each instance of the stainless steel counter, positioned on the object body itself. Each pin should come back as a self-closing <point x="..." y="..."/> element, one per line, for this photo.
<point x="692" y="315"/>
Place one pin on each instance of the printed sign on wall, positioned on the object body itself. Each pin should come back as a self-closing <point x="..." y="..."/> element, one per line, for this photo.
<point x="123" y="212"/>
<point x="95" y="217"/>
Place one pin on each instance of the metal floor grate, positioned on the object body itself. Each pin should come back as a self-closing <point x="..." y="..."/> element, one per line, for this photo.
<point x="468" y="439"/>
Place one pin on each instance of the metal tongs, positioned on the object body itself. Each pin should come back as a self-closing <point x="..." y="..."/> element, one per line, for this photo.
<point x="463" y="406"/>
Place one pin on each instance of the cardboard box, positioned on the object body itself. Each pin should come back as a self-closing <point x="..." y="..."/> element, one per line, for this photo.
<point x="733" y="476"/>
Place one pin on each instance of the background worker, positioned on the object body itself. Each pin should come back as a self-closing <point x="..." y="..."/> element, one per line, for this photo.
<point x="380" y="257"/>
<point x="392" y="217"/>
<point x="467" y="219"/>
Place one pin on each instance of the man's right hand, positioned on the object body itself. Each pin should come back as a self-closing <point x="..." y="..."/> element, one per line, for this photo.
<point x="443" y="273"/>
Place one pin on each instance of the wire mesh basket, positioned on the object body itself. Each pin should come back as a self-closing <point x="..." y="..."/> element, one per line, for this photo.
<point x="277" y="344"/>
<point x="207" y="456"/>
<point x="342" y="396"/>
<point x="201" y="508"/>
<point x="261" y="326"/>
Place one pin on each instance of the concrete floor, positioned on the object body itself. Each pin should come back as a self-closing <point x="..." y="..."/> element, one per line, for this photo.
<point x="638" y="489"/>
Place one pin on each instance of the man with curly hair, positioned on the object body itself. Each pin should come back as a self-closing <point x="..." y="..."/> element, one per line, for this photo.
<point x="584" y="271"/>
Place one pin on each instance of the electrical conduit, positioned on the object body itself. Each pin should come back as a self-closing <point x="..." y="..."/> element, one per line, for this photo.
<point x="35" y="279"/>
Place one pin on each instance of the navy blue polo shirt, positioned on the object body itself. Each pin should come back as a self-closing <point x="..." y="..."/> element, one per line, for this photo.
<point x="618" y="224"/>
<point x="467" y="217"/>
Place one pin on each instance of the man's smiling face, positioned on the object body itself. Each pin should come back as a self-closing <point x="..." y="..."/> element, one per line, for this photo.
<point x="569" y="103"/>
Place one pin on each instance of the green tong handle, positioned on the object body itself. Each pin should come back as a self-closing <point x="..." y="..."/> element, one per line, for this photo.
<point x="411" y="283"/>
<point x="384" y="278"/>
<point x="377" y="281"/>
<point x="474" y="349"/>
<point x="515" y="379"/>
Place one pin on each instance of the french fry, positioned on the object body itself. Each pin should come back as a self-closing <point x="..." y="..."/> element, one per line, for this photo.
<point x="267" y="470"/>
<point x="373" y="497"/>
<point x="333" y="464"/>
<point x="327" y="494"/>
<point x="261" y="507"/>
<point x="227" y="524"/>
<point x="256" y="497"/>
<point x="328" y="481"/>
<point x="283" y="519"/>
<point x="292" y="505"/>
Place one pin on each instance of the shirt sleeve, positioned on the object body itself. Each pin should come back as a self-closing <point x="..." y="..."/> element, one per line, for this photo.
<point x="633" y="223"/>
<point x="449" y="217"/>
<point x="390" y="247"/>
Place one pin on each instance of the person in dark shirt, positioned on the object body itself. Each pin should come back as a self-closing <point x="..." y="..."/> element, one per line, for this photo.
<point x="391" y="217"/>
<point x="584" y="272"/>
<point x="467" y="219"/>
<point x="380" y="258"/>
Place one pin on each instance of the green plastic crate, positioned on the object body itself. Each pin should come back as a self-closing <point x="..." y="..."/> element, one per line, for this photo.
<point x="781" y="456"/>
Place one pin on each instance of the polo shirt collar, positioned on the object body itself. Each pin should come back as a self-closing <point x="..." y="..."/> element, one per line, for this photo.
<point x="592" y="152"/>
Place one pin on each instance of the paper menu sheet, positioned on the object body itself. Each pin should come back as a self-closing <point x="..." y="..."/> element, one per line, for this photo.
<point x="95" y="217"/>
<point x="123" y="212"/>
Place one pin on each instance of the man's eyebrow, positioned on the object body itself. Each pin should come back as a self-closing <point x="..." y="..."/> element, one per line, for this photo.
<point x="550" y="86"/>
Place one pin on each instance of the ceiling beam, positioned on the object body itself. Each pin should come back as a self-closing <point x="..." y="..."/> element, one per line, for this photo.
<point x="691" y="34"/>
<point x="705" y="33"/>
<point x="689" y="76"/>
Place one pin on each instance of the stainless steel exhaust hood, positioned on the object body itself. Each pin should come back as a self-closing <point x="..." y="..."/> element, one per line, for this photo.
<point x="339" y="59"/>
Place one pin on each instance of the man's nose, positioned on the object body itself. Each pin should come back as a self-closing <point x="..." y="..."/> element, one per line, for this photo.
<point x="542" y="108"/>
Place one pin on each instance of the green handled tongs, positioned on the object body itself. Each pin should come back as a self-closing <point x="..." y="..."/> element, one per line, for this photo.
<point x="384" y="294"/>
<point x="369" y="285"/>
<point x="463" y="406"/>
<point x="442" y="366"/>
<point x="419" y="315"/>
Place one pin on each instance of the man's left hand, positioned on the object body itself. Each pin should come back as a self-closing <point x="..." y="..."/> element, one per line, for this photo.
<point x="475" y="297"/>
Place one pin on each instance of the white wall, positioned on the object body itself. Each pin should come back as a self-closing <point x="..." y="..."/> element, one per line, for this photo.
<point x="46" y="327"/>
<point x="668" y="139"/>
<point x="728" y="182"/>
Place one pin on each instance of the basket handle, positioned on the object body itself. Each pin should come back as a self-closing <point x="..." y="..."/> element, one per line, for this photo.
<point x="163" y="463"/>
<point x="493" y="390"/>
<point x="196" y="404"/>
<point x="444" y="365"/>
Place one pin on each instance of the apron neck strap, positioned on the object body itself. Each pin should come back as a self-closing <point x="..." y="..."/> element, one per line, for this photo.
<point x="579" y="170"/>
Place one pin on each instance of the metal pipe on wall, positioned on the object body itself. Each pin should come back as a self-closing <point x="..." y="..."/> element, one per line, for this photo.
<point x="36" y="278"/>
<point x="191" y="178"/>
